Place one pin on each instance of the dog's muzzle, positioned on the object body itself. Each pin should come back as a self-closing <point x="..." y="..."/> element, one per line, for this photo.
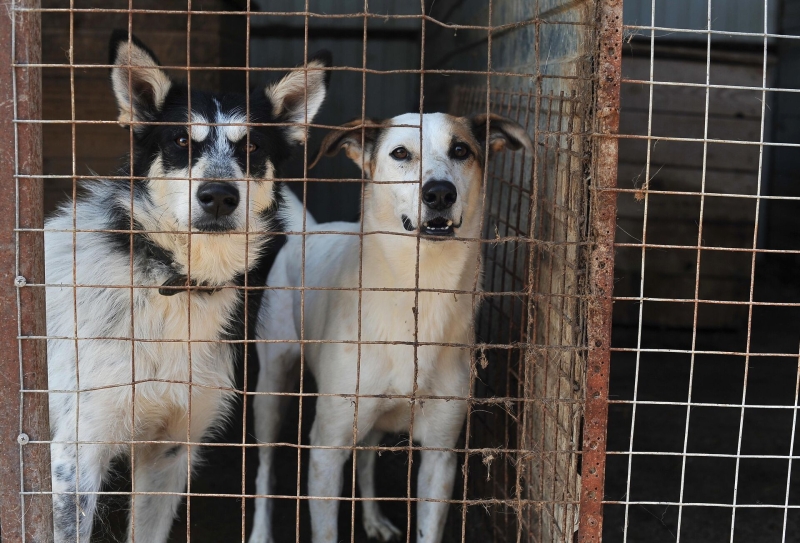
<point x="439" y="226"/>
<point x="218" y="200"/>
<point x="438" y="196"/>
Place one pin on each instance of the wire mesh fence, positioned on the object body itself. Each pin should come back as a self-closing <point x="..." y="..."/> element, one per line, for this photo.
<point x="547" y="377"/>
<point x="703" y="398"/>
<point x="135" y="292"/>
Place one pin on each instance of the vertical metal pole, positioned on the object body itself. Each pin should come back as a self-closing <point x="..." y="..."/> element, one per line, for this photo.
<point x="601" y="266"/>
<point x="23" y="363"/>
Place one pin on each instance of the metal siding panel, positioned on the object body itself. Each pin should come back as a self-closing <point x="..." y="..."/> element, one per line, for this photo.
<point x="550" y="367"/>
<point x="386" y="95"/>
<point x="727" y="15"/>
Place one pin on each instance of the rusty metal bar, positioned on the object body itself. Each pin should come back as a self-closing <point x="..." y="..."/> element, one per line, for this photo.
<point x="601" y="267"/>
<point x="26" y="514"/>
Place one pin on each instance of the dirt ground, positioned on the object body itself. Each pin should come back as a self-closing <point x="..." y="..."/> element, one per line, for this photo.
<point x="718" y="379"/>
<point x="665" y="377"/>
<point x="215" y="519"/>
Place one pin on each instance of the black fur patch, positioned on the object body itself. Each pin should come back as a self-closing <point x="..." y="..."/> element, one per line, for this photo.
<point x="172" y="451"/>
<point x="64" y="473"/>
<point x="152" y="140"/>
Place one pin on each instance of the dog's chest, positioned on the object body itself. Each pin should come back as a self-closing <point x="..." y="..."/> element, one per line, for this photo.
<point x="181" y="336"/>
<point x="432" y="321"/>
<point x="182" y="347"/>
<point x="429" y="317"/>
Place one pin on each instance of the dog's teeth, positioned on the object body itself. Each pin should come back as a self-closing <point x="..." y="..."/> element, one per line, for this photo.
<point x="449" y="223"/>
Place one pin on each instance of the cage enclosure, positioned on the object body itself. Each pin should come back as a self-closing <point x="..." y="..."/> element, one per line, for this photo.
<point x="702" y="442"/>
<point x="531" y="455"/>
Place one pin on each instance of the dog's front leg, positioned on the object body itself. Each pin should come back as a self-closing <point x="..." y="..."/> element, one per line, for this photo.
<point x="375" y="522"/>
<point x="278" y="371"/>
<point x="325" y="481"/>
<point x="77" y="476"/>
<point x="157" y="468"/>
<point x="333" y="427"/>
<point x="437" y="473"/>
<point x="440" y="427"/>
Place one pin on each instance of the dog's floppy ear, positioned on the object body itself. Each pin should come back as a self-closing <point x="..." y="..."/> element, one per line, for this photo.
<point x="503" y="133"/>
<point x="290" y="101"/>
<point x="140" y="85"/>
<point x="349" y="138"/>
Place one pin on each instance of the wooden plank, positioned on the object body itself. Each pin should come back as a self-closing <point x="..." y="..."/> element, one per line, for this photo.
<point x="114" y="139"/>
<point x="719" y="55"/>
<point x="730" y="168"/>
<point x="690" y="125"/>
<point x="669" y="177"/>
<point x="683" y="231"/>
<point x="682" y="286"/>
<point x="682" y="262"/>
<point x="687" y="208"/>
<point x="25" y="467"/>
<point x="725" y="102"/>
<point x="333" y="7"/>
<point x="671" y="316"/>
<point x="169" y="46"/>
<point x="691" y="71"/>
<point x="729" y="157"/>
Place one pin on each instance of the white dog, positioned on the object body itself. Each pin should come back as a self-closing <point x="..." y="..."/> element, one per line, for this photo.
<point x="378" y="377"/>
<point x="122" y="372"/>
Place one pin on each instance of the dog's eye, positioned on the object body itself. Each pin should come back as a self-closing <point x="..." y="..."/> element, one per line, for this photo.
<point x="460" y="150"/>
<point x="251" y="147"/>
<point x="182" y="141"/>
<point x="401" y="153"/>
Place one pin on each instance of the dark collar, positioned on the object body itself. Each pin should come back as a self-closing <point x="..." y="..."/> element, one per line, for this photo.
<point x="176" y="282"/>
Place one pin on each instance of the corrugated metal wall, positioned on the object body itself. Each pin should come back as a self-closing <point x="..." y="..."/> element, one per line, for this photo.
<point x="392" y="44"/>
<point x="726" y="15"/>
<point x="550" y="42"/>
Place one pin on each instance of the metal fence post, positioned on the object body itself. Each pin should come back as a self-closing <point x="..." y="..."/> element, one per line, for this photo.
<point x="26" y="514"/>
<point x="601" y="266"/>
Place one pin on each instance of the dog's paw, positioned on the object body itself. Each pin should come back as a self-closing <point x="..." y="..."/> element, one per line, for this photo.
<point x="379" y="527"/>
<point x="260" y="535"/>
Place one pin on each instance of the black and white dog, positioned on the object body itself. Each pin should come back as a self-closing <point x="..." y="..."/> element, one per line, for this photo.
<point x="136" y="315"/>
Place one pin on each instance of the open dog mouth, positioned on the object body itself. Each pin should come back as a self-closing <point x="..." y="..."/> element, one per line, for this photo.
<point x="438" y="226"/>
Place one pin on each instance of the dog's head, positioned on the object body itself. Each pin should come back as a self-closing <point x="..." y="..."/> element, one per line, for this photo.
<point x="206" y="170"/>
<point x="429" y="180"/>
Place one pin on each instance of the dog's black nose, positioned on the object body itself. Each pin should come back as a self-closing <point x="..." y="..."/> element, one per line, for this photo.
<point x="218" y="199"/>
<point x="439" y="195"/>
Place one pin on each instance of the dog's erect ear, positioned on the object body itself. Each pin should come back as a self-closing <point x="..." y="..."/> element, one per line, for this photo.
<point x="290" y="101"/>
<point x="140" y="85"/>
<point x="357" y="138"/>
<point x="503" y="133"/>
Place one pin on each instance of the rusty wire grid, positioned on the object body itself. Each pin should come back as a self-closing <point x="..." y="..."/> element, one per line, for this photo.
<point x="547" y="319"/>
<point x="704" y="384"/>
<point x="531" y="457"/>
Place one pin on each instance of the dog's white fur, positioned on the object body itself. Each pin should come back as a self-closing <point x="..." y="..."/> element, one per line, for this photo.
<point x="388" y="261"/>
<point x="123" y="376"/>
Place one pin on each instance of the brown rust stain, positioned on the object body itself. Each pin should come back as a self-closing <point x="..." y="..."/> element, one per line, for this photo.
<point x="601" y="267"/>
<point x="33" y="406"/>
